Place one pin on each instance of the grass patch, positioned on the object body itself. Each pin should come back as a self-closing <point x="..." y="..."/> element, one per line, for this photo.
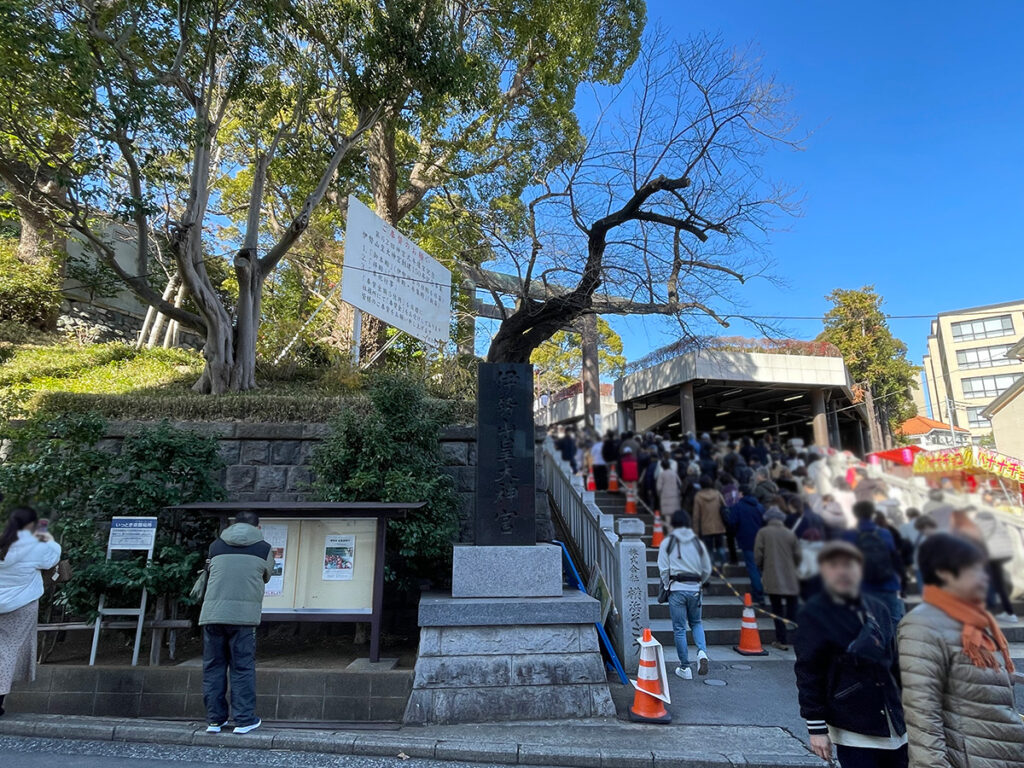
<point x="120" y="382"/>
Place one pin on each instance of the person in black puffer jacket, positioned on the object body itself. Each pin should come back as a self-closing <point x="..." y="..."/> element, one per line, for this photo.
<point x="847" y="668"/>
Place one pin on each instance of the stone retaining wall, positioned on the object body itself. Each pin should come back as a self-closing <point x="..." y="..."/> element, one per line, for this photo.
<point x="271" y="462"/>
<point x="99" y="323"/>
<point x="320" y="695"/>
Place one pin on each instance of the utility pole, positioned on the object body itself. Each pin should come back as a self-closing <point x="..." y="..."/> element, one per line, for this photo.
<point x="952" y="420"/>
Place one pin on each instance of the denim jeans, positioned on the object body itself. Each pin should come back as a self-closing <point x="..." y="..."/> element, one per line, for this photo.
<point x="229" y="649"/>
<point x="756" y="586"/>
<point x="685" y="609"/>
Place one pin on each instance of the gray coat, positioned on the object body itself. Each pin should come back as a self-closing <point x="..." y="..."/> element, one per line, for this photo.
<point x="958" y="715"/>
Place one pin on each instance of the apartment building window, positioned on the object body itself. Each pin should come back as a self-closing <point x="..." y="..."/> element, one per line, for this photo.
<point x="987" y="328"/>
<point x="975" y="419"/>
<point x="989" y="386"/>
<point x="984" y="357"/>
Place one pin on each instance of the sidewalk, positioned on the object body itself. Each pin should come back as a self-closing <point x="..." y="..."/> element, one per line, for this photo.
<point x="586" y="744"/>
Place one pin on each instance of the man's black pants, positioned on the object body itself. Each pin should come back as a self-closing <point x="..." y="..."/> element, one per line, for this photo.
<point x="228" y="648"/>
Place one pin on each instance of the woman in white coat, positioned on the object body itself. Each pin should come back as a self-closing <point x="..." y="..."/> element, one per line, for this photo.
<point x="24" y="554"/>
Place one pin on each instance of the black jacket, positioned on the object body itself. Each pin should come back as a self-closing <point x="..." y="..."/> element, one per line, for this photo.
<point x="838" y="684"/>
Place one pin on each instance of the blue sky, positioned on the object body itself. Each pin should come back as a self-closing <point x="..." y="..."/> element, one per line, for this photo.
<point x="913" y="176"/>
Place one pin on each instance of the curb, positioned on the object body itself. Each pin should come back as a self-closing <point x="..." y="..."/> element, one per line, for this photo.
<point x="385" y="744"/>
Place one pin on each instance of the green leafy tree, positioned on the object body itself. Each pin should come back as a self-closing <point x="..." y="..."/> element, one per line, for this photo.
<point x="857" y="326"/>
<point x="559" y="360"/>
<point x="296" y="82"/>
<point x="388" y="449"/>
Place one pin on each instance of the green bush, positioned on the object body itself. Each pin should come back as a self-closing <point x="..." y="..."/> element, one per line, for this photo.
<point x="57" y="465"/>
<point x="387" y="448"/>
<point x="29" y="294"/>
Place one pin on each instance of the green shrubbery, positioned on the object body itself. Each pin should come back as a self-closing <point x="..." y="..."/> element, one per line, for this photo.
<point x="29" y="294"/>
<point x="386" y="448"/>
<point x="56" y="464"/>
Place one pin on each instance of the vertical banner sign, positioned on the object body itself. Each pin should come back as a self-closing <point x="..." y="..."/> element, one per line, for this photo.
<point x="505" y="485"/>
<point x="388" y="275"/>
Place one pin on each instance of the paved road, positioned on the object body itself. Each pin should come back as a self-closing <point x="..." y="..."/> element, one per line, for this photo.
<point x="763" y="695"/>
<point x="48" y="753"/>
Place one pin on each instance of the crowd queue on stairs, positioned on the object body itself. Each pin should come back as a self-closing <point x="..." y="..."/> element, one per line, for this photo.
<point x="834" y="556"/>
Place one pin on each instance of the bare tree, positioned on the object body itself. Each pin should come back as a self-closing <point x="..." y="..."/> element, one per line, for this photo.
<point x="665" y="210"/>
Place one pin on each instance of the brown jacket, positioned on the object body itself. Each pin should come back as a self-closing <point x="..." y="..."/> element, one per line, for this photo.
<point x="777" y="554"/>
<point x="958" y="715"/>
<point x="707" y="512"/>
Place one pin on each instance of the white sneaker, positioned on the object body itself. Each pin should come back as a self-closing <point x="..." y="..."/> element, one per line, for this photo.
<point x="248" y="728"/>
<point x="1010" y="618"/>
<point x="684" y="672"/>
<point x="214" y="727"/>
<point x="702" y="663"/>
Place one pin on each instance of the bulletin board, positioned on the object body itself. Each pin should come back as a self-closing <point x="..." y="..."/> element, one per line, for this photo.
<point x="321" y="564"/>
<point x="328" y="557"/>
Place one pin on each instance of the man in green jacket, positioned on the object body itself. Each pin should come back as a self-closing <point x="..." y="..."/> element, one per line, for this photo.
<point x="239" y="564"/>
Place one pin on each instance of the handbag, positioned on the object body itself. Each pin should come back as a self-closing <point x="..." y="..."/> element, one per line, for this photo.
<point x="61" y="573"/>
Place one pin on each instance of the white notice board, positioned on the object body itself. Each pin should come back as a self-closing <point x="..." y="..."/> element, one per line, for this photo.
<point x="132" y="533"/>
<point x="389" y="276"/>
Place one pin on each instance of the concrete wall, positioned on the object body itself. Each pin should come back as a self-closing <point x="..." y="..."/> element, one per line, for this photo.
<point x="1008" y="428"/>
<point x="271" y="462"/>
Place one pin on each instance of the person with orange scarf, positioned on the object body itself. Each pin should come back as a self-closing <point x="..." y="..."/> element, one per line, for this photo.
<point x="955" y="664"/>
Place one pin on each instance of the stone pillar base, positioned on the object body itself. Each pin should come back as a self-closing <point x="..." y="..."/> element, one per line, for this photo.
<point x="532" y="571"/>
<point x="505" y="659"/>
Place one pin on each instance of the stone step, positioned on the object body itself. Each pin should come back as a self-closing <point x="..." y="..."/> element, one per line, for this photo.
<point x="713" y="588"/>
<point x="731" y="571"/>
<point x="717" y="631"/>
<point x="726" y="630"/>
<point x="715" y="607"/>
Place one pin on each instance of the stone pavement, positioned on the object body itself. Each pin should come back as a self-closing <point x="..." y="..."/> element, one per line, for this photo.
<point x="584" y="743"/>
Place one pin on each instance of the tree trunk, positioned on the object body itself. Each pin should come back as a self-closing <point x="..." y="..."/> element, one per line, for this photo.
<point x="590" y="373"/>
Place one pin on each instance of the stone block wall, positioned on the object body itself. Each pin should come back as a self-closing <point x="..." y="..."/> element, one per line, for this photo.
<point x="271" y="462"/>
<point x="507" y="673"/>
<point x="99" y="323"/>
<point x="177" y="693"/>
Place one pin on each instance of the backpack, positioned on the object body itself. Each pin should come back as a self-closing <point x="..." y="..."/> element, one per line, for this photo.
<point x="732" y="495"/>
<point x="878" y="565"/>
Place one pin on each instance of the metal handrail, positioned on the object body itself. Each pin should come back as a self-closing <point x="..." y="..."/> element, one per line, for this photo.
<point x="592" y="531"/>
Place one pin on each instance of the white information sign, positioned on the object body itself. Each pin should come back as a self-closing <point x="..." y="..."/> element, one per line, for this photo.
<point x="389" y="276"/>
<point x="132" y="533"/>
<point x="339" y="557"/>
<point x="277" y="537"/>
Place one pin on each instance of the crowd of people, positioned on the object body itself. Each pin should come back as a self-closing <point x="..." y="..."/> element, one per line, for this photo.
<point x="833" y="554"/>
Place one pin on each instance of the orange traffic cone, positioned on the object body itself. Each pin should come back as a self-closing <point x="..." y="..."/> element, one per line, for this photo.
<point x="591" y="483"/>
<point x="659" y="531"/>
<point x="613" y="480"/>
<point x="630" y="499"/>
<point x="750" y="638"/>
<point x="651" y="684"/>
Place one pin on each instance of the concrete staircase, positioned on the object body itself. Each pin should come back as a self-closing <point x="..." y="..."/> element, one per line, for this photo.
<point x="722" y="609"/>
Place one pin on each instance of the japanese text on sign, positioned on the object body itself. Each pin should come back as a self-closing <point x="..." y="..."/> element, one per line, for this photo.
<point x="928" y="462"/>
<point x="507" y="497"/>
<point x="389" y="276"/>
<point x="132" y="533"/>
